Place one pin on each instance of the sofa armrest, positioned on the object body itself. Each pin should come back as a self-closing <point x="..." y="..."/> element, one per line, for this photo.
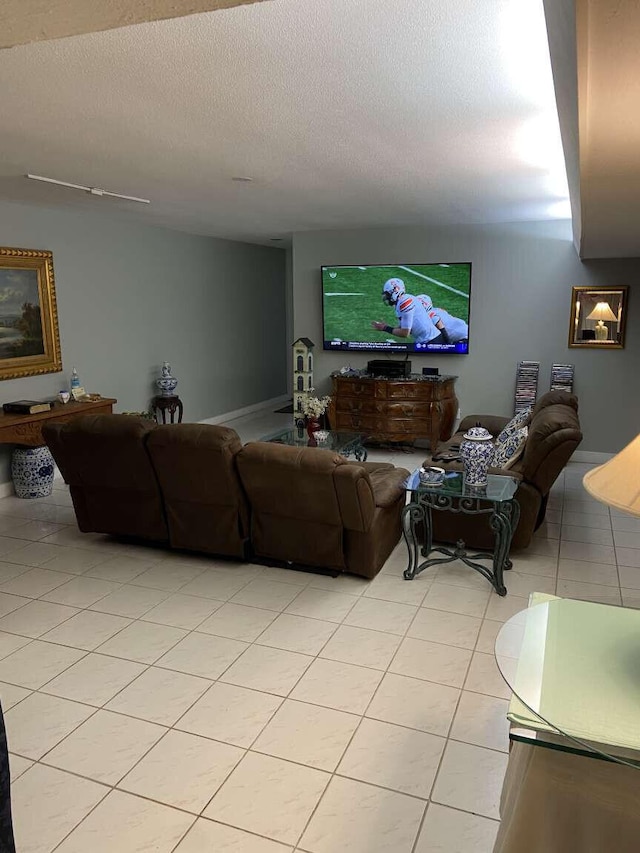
<point x="494" y="423"/>
<point x="361" y="493"/>
<point x="388" y="486"/>
<point x="370" y="467"/>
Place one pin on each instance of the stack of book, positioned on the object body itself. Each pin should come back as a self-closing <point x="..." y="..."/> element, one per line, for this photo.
<point x="526" y="385"/>
<point x="25" y="407"/>
<point x="562" y="377"/>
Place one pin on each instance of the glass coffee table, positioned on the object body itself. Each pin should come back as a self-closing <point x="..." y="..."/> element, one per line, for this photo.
<point x="496" y="499"/>
<point x="574" y="669"/>
<point x="345" y="443"/>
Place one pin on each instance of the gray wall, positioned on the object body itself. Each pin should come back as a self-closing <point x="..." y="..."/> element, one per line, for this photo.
<point x="130" y="297"/>
<point x="521" y="290"/>
<point x="289" y="314"/>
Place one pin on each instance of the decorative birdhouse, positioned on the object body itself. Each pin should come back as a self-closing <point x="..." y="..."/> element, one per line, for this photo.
<point x="302" y="374"/>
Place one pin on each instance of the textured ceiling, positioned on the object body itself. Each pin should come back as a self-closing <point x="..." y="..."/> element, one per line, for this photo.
<point x="25" y="21"/>
<point x="346" y="113"/>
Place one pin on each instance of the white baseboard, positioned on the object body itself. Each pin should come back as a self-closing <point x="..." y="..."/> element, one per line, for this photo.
<point x="247" y="410"/>
<point x="591" y="456"/>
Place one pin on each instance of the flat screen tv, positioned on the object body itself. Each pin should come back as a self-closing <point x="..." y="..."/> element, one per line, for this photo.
<point x="405" y="308"/>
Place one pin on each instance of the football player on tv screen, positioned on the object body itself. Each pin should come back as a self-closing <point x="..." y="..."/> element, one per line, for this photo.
<point x="413" y="313"/>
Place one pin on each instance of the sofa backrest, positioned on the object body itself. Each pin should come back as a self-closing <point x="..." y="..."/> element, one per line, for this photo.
<point x="555" y="398"/>
<point x="296" y="509"/>
<point x="554" y="434"/>
<point x="112" y="482"/>
<point x="204" y="501"/>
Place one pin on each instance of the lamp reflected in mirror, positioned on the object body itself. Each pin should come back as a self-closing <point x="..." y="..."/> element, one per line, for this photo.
<point x="602" y="312"/>
<point x="598" y="317"/>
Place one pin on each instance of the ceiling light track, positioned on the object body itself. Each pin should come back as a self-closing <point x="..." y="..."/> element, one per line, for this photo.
<point x="98" y="191"/>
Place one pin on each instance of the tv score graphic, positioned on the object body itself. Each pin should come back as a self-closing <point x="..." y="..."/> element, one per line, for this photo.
<point x="440" y="296"/>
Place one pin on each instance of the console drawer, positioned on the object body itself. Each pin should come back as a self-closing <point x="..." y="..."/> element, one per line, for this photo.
<point x="393" y="426"/>
<point x="408" y="409"/>
<point x="356" y="405"/>
<point x="409" y="390"/>
<point x="355" y="422"/>
<point x="354" y="388"/>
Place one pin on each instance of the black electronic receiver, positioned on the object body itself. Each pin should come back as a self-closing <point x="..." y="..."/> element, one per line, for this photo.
<point x="389" y="367"/>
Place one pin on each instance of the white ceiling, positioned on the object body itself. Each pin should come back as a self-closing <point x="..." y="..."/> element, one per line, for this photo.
<point x="346" y="113"/>
<point x="25" y="21"/>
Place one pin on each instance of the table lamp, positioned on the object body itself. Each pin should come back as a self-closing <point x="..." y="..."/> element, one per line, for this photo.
<point x="602" y="312"/>
<point x="617" y="482"/>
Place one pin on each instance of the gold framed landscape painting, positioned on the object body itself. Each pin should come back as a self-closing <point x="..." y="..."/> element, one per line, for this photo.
<point x="29" y="335"/>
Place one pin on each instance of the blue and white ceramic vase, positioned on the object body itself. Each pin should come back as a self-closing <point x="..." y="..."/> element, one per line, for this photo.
<point x="477" y="451"/>
<point x="167" y="383"/>
<point x="32" y="471"/>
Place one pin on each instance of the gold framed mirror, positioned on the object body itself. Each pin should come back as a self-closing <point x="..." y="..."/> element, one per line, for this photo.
<point x="598" y="317"/>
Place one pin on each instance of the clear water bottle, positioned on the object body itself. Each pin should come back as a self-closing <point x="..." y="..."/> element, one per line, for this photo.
<point x="75" y="379"/>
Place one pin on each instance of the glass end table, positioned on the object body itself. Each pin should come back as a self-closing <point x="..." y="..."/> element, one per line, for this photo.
<point x="496" y="499"/>
<point x="574" y="670"/>
<point x="345" y="443"/>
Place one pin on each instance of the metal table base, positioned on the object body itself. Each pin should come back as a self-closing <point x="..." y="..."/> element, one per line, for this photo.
<point x="503" y="520"/>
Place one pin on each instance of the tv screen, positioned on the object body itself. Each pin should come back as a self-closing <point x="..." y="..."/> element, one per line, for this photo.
<point x="407" y="308"/>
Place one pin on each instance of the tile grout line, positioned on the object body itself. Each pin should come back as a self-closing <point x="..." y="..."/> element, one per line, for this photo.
<point x="168" y="729"/>
<point x="171" y="728"/>
<point x="259" y="733"/>
<point x="334" y="774"/>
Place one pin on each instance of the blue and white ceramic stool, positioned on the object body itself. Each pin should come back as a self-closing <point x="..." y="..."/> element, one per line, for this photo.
<point x="32" y="470"/>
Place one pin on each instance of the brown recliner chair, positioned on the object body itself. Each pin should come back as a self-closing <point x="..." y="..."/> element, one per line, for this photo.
<point x="554" y="434"/>
<point x="204" y="502"/>
<point x="112" y="482"/>
<point x="312" y="507"/>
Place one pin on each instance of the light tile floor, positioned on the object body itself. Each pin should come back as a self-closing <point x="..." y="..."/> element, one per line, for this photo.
<point x="173" y="702"/>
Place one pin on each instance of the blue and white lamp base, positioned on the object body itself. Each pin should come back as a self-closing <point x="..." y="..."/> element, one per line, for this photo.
<point x="32" y="470"/>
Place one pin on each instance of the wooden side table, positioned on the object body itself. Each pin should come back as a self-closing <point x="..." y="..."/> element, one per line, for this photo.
<point x="27" y="429"/>
<point x="32" y="466"/>
<point x="161" y="405"/>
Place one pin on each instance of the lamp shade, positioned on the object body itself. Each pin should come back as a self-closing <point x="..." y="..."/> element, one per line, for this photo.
<point x="602" y="311"/>
<point x="617" y="482"/>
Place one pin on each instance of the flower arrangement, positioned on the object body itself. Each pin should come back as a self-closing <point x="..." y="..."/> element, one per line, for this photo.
<point x="314" y="407"/>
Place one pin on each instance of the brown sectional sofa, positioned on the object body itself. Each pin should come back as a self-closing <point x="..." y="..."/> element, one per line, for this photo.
<point x="313" y="502"/>
<point x="195" y="487"/>
<point x="554" y="434"/>
<point x="113" y="483"/>
<point x="205" y="505"/>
